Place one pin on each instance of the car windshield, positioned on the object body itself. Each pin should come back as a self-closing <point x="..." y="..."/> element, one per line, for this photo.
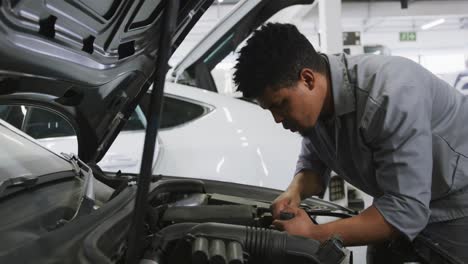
<point x="21" y="157"/>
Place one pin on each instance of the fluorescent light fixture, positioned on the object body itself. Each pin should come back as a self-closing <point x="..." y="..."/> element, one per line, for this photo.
<point x="433" y="24"/>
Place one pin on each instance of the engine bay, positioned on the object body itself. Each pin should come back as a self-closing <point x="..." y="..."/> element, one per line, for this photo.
<point x="186" y="224"/>
<point x="185" y="221"/>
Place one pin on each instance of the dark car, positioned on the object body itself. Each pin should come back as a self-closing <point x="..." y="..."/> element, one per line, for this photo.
<point x="90" y="63"/>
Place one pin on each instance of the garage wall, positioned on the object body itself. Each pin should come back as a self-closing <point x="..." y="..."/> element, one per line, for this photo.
<point x="442" y="49"/>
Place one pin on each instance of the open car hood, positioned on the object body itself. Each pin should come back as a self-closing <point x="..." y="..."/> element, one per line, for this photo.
<point x="224" y="38"/>
<point x="88" y="60"/>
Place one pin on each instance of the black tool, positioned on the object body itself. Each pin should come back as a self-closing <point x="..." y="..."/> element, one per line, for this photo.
<point x="286" y="216"/>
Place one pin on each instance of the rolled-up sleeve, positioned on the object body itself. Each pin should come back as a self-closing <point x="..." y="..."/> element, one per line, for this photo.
<point x="401" y="139"/>
<point x="308" y="160"/>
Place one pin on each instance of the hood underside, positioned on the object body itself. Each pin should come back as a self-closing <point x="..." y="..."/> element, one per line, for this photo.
<point x="225" y="37"/>
<point x="89" y="61"/>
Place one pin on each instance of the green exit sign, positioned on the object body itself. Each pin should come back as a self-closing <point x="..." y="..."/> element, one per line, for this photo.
<point x="408" y="36"/>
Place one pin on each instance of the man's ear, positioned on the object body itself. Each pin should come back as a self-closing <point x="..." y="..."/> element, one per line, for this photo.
<point x="308" y="77"/>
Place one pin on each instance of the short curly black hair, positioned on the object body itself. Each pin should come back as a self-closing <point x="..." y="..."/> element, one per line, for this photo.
<point x="274" y="57"/>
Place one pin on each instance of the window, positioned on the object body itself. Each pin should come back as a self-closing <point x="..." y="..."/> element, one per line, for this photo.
<point x="175" y="111"/>
<point x="36" y="122"/>
<point x="136" y="121"/>
<point x="13" y="114"/>
<point x="3" y="111"/>
<point x="41" y="123"/>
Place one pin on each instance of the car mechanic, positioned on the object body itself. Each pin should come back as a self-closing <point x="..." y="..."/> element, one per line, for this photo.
<point x="384" y="124"/>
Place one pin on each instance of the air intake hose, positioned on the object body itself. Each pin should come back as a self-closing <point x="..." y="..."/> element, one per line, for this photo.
<point x="233" y="244"/>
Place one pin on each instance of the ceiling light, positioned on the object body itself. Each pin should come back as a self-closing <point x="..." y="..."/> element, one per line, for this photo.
<point x="433" y="24"/>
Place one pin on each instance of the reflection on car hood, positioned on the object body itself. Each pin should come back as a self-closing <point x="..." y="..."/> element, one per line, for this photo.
<point x="90" y="61"/>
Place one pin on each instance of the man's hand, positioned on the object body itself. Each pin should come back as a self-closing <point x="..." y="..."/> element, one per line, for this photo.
<point x="368" y="227"/>
<point x="287" y="199"/>
<point x="300" y="225"/>
<point x="304" y="184"/>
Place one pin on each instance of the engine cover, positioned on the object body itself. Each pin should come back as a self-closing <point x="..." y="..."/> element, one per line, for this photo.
<point x="229" y="214"/>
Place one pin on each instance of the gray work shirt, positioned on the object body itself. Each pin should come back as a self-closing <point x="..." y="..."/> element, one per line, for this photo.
<point x="401" y="135"/>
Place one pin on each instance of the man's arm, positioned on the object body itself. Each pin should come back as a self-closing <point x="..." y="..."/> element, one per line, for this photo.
<point x="307" y="183"/>
<point x="310" y="178"/>
<point x="368" y="227"/>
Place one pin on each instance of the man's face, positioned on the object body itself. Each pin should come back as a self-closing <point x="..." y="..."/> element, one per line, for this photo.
<point x="297" y="107"/>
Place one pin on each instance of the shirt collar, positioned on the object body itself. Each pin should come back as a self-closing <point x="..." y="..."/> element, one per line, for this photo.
<point x="343" y="93"/>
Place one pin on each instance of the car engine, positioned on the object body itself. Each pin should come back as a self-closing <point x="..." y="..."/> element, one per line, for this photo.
<point x="187" y="225"/>
<point x="185" y="221"/>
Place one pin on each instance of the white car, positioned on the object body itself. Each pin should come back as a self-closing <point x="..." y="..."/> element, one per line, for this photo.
<point x="203" y="135"/>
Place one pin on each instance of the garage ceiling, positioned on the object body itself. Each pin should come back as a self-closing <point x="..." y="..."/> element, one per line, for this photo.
<point x="230" y="2"/>
<point x="388" y="15"/>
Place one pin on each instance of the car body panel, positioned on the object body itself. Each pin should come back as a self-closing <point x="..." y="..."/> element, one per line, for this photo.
<point x="237" y="141"/>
